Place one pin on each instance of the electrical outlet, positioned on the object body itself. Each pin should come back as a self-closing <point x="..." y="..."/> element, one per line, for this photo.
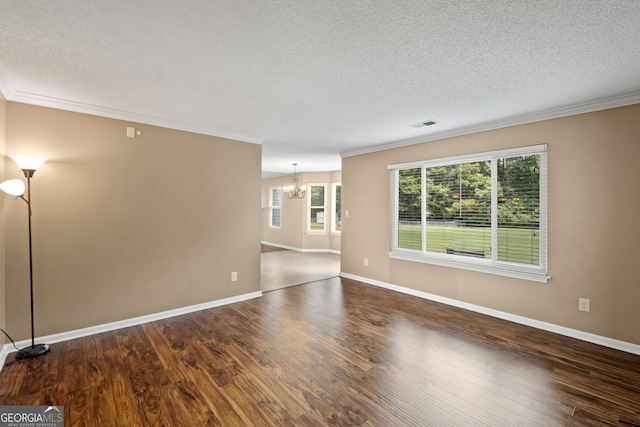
<point x="234" y="276"/>
<point x="584" y="304"/>
<point x="366" y="262"/>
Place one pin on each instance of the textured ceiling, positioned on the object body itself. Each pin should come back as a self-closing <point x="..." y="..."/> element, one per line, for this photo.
<point x="310" y="79"/>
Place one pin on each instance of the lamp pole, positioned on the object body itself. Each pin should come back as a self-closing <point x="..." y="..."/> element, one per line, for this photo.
<point x="34" y="350"/>
<point x="28" y="165"/>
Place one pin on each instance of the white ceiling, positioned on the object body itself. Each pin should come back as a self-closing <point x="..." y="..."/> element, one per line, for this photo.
<point x="313" y="79"/>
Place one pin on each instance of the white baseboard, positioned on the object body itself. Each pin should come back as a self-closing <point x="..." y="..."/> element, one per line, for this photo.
<point x="3" y="355"/>
<point x="550" y="327"/>
<point x="324" y="251"/>
<point x="573" y="333"/>
<point x="292" y="248"/>
<point x="78" y="333"/>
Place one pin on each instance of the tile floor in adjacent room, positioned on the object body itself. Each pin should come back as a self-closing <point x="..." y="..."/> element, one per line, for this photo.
<point x="284" y="268"/>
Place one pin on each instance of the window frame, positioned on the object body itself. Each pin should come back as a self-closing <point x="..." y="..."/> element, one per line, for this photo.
<point x="492" y="265"/>
<point x="310" y="207"/>
<point x="335" y="213"/>
<point x="272" y="207"/>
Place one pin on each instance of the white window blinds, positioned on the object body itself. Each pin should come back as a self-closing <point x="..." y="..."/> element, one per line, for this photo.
<point x="484" y="212"/>
<point x="275" y="201"/>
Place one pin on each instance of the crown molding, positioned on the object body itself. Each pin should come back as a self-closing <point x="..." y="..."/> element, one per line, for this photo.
<point x="6" y="88"/>
<point x="13" y="95"/>
<point x="555" y="113"/>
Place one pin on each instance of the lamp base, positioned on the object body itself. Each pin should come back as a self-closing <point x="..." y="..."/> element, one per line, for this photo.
<point x="31" y="352"/>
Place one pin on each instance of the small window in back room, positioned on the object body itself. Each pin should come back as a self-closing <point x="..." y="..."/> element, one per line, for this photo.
<point x="275" y="199"/>
<point x="317" y="217"/>
<point x="336" y="223"/>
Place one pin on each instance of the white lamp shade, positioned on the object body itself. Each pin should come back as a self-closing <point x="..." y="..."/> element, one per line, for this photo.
<point x="15" y="187"/>
<point x="29" y="162"/>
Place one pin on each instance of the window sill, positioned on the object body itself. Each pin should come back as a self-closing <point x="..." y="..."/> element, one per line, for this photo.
<point x="472" y="264"/>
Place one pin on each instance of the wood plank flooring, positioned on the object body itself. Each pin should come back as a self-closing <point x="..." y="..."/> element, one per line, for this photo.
<point x="330" y="353"/>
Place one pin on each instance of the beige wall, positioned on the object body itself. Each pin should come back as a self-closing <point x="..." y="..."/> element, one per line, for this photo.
<point x="593" y="206"/>
<point x="3" y="128"/>
<point x="125" y="227"/>
<point x="293" y="230"/>
<point x="291" y="225"/>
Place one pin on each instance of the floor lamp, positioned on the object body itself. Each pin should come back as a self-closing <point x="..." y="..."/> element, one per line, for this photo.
<point x="29" y="165"/>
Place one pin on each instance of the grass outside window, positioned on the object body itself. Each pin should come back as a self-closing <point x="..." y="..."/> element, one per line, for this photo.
<point x="474" y="239"/>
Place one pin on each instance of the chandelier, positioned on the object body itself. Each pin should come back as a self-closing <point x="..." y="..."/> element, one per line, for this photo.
<point x="293" y="191"/>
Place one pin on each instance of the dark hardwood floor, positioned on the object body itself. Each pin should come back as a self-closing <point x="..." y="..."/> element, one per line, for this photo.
<point x="335" y="352"/>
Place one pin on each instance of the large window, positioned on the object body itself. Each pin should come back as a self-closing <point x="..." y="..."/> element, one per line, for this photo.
<point x="317" y="207"/>
<point x="336" y="223"/>
<point x="484" y="212"/>
<point x="275" y="201"/>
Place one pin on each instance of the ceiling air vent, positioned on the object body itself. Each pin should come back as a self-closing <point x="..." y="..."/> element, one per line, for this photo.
<point x="424" y="124"/>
